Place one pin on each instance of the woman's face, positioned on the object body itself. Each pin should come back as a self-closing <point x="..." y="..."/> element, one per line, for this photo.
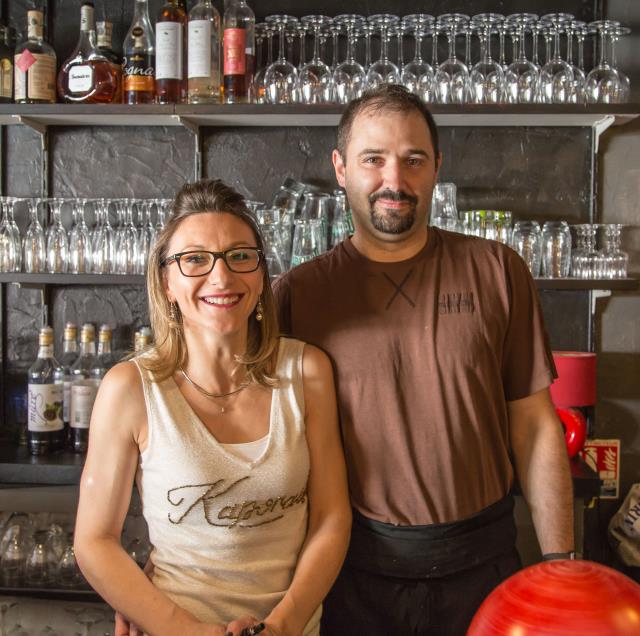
<point x="222" y="300"/>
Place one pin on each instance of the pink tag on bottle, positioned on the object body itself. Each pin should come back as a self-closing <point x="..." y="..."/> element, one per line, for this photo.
<point x="26" y="60"/>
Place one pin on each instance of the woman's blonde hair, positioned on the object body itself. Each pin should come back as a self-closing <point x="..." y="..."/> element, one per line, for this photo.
<point x="169" y="352"/>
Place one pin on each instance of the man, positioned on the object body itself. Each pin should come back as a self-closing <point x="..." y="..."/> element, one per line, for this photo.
<point x="442" y="369"/>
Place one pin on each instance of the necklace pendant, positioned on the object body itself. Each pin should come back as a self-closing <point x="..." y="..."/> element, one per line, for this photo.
<point x="222" y="410"/>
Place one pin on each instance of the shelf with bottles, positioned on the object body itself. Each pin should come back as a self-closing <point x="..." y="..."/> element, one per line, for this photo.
<point x="287" y="115"/>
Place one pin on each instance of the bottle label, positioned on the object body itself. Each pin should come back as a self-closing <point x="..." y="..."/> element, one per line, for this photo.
<point x="199" y="56"/>
<point x="25" y="60"/>
<point x="86" y="17"/>
<point x="39" y="80"/>
<point x="168" y="50"/>
<point x="139" y="72"/>
<point x="35" y="20"/>
<point x="80" y="78"/>
<point x="6" y="78"/>
<point x="66" y="399"/>
<point x="45" y="408"/>
<point x="234" y="52"/>
<point x="83" y="395"/>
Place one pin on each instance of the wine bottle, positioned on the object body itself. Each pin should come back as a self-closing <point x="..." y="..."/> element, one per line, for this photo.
<point x="139" y="58"/>
<point x="170" y="54"/>
<point x="83" y="390"/>
<point x="204" y="54"/>
<point x="238" y="51"/>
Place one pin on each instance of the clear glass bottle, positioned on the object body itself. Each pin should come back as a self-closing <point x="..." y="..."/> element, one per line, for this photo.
<point x="83" y="390"/>
<point x="238" y="51"/>
<point x="203" y="85"/>
<point x="34" y="65"/>
<point x="139" y="61"/>
<point x="142" y="340"/>
<point x="63" y="372"/>
<point x="105" y="358"/>
<point x="87" y="77"/>
<point x="6" y="65"/>
<point x="171" y="82"/>
<point x="44" y="400"/>
<point x="104" y="31"/>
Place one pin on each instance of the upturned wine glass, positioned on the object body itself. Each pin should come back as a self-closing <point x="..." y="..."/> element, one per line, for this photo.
<point x="556" y="76"/>
<point x="80" y="259"/>
<point x="146" y="236"/>
<point x="576" y="92"/>
<point x="10" y="242"/>
<point x="34" y="245"/>
<point x="315" y="78"/>
<point x="103" y="240"/>
<point x="452" y="76"/>
<point x="486" y="77"/>
<point x="349" y="77"/>
<point x="383" y="71"/>
<point x="616" y="261"/>
<point x="281" y="77"/>
<point x="625" y="84"/>
<point x="522" y="76"/>
<point x="603" y="82"/>
<point x="261" y="34"/>
<point x="417" y="75"/>
<point x="56" y="240"/>
<point x="127" y="254"/>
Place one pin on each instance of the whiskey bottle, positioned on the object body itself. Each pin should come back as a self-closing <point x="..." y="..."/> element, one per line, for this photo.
<point x="44" y="400"/>
<point x="34" y="64"/>
<point x="105" y="358"/>
<point x="87" y="77"/>
<point x="238" y="51"/>
<point x="204" y="54"/>
<point x="170" y="54"/>
<point x="104" y="31"/>
<point x="6" y="65"/>
<point x="139" y="58"/>
<point x="63" y="372"/>
<point x="83" y="390"/>
<point x="142" y="339"/>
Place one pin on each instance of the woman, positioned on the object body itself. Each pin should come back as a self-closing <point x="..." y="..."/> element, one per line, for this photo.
<point x="231" y="434"/>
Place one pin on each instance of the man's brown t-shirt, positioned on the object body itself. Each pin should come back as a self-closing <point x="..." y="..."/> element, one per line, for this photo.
<point x="426" y="352"/>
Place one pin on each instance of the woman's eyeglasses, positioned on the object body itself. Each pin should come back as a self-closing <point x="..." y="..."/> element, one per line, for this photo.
<point x="241" y="260"/>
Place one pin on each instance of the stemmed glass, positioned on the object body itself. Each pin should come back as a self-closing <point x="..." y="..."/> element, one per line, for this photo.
<point x="315" y="79"/>
<point x="103" y="240"/>
<point x="87" y="617"/>
<point x="522" y="76"/>
<point x="417" y="75"/>
<point x="556" y="76"/>
<point x="79" y="240"/>
<point x="10" y="242"/>
<point x="452" y="76"/>
<point x="349" y="77"/>
<point x="335" y="28"/>
<point x="127" y="257"/>
<point x="162" y="205"/>
<point x="384" y="71"/>
<point x="367" y="30"/>
<point x="576" y="93"/>
<point x="487" y="78"/>
<point x="616" y="262"/>
<point x="281" y="77"/>
<point x="625" y="83"/>
<point x="147" y="236"/>
<point x="56" y="240"/>
<point x="34" y="246"/>
<point x="603" y="82"/>
<point x="261" y="34"/>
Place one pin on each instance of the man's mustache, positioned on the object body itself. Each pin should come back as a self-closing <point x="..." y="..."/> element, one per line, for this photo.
<point x="392" y="196"/>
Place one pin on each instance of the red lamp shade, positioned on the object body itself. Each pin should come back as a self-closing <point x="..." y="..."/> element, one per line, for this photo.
<point x="576" y="383"/>
<point x="561" y="598"/>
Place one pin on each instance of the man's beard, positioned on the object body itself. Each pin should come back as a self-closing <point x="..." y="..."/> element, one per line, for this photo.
<point x="391" y="221"/>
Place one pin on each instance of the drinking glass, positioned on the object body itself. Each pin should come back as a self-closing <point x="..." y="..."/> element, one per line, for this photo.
<point x="522" y="76"/>
<point x="576" y="92"/>
<point x="588" y="262"/>
<point x="281" y="77"/>
<point x="556" y="76"/>
<point x="315" y="79"/>
<point x="147" y="236"/>
<point x="340" y="223"/>
<point x="417" y="75"/>
<point x="487" y="78"/>
<point x="556" y="249"/>
<point x="349" y="77"/>
<point x="10" y="242"/>
<point x="526" y="239"/>
<point x="56" y="240"/>
<point x="34" y="246"/>
<point x="603" y="82"/>
<point x="307" y="240"/>
<point x="384" y="71"/>
<point x="315" y="207"/>
<point x="625" y="82"/>
<point x="615" y="261"/>
<point x="79" y="240"/>
<point x="335" y="28"/>
<point x="103" y="246"/>
<point x="87" y="617"/>
<point x="127" y="254"/>
<point x="261" y="34"/>
<point x="452" y="76"/>
<point x="40" y="564"/>
<point x="254" y="206"/>
<point x="68" y="572"/>
<point x="276" y="255"/>
<point x="444" y="212"/>
<point x="13" y="556"/>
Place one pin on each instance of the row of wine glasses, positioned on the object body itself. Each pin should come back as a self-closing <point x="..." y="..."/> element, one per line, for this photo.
<point x="96" y="247"/>
<point x="485" y="80"/>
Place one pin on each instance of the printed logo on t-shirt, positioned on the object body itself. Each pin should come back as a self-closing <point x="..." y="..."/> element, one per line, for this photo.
<point x="213" y="501"/>
<point x="456" y="303"/>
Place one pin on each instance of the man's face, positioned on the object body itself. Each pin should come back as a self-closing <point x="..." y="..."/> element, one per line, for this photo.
<point x="389" y="173"/>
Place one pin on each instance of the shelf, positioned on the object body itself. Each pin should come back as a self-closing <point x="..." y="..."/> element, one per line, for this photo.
<point x="577" y="284"/>
<point x="53" y="594"/>
<point x="73" y="279"/>
<point x="17" y="466"/>
<point x="41" y="115"/>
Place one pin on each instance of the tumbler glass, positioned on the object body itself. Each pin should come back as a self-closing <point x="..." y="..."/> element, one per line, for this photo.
<point x="556" y="249"/>
<point x="307" y="240"/>
<point x="527" y="241"/>
<point x="444" y="213"/>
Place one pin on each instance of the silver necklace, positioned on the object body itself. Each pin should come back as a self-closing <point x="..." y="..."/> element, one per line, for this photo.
<point x="212" y="396"/>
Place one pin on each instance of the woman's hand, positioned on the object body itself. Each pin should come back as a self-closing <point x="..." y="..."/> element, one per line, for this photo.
<point x="236" y="627"/>
<point x="124" y="627"/>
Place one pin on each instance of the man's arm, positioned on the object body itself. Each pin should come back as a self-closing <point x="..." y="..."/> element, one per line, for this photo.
<point x="542" y="467"/>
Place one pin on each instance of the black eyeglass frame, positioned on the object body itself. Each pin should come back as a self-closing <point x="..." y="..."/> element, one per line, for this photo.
<point x="216" y="255"/>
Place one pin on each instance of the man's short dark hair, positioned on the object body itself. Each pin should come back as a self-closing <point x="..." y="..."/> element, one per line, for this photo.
<point x="388" y="98"/>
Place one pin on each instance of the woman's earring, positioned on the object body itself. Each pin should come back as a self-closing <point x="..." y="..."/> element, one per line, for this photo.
<point x="259" y="311"/>
<point x="173" y="313"/>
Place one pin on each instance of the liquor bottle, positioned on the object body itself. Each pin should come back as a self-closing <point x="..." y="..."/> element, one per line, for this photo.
<point x="63" y="372"/>
<point x="34" y="65"/>
<point x="238" y="51"/>
<point x="142" y="340"/>
<point x="6" y="65"/>
<point x="170" y="54"/>
<point x="87" y="77"/>
<point x="83" y="390"/>
<point x="104" y="31"/>
<point x="105" y="358"/>
<point x="44" y="400"/>
<point x="204" y="54"/>
<point x="139" y="58"/>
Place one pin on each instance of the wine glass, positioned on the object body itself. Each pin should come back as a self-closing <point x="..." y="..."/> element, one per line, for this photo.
<point x="103" y="245"/>
<point x="452" y="76"/>
<point x="147" y="236"/>
<point x="261" y="34"/>
<point x="10" y="243"/>
<point x="625" y="83"/>
<point x="384" y="71"/>
<point x="349" y="77"/>
<point x="315" y="79"/>
<point x="34" y="245"/>
<point x="87" y="617"/>
<point x="40" y="564"/>
<point x="615" y="261"/>
<point x="79" y="240"/>
<point x="281" y="77"/>
<point x="127" y="256"/>
<point x="522" y="76"/>
<point x="68" y="572"/>
<point x="486" y="78"/>
<point x="603" y="82"/>
<point x="576" y="93"/>
<point x="556" y="76"/>
<point x="417" y="75"/>
<point x="56" y="240"/>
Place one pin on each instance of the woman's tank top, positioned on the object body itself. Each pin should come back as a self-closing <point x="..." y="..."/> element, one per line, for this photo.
<point x="226" y="533"/>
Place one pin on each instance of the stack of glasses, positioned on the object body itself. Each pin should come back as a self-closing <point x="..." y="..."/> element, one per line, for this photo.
<point x="480" y="79"/>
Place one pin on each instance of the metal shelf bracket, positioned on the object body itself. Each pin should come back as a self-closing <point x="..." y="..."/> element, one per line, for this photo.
<point x="600" y="127"/>
<point x="194" y="128"/>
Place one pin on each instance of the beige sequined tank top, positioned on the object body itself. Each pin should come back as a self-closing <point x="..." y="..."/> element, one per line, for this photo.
<point x="225" y="532"/>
